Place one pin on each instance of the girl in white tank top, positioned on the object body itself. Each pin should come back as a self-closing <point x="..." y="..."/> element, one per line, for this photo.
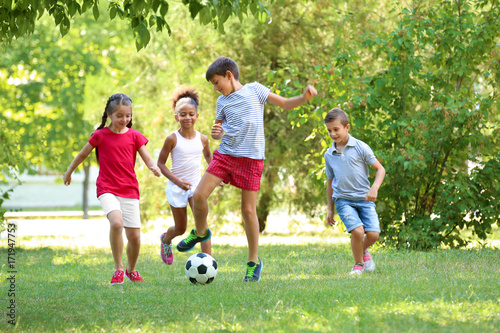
<point x="186" y="158"/>
<point x="186" y="145"/>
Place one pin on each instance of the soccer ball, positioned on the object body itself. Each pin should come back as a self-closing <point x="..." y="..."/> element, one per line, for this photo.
<point x="201" y="268"/>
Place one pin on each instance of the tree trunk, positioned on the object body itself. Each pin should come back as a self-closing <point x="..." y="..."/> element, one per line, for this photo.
<point x="263" y="209"/>
<point x="85" y="202"/>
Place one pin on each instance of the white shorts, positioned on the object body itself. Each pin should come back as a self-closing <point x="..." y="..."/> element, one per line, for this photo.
<point x="177" y="197"/>
<point x="128" y="207"/>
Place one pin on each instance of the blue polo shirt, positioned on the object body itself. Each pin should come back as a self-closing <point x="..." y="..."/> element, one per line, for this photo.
<point x="349" y="169"/>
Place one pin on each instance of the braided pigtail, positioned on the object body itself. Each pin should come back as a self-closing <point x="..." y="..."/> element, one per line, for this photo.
<point x="104" y="119"/>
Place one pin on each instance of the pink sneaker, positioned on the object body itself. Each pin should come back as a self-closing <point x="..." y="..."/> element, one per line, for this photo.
<point x="166" y="251"/>
<point x="117" y="278"/>
<point x="134" y="276"/>
<point x="369" y="263"/>
<point x="357" y="269"/>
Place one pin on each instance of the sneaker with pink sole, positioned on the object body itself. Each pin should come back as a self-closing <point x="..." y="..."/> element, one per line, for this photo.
<point x="117" y="277"/>
<point x="357" y="269"/>
<point x="369" y="263"/>
<point x="166" y="251"/>
<point x="134" y="276"/>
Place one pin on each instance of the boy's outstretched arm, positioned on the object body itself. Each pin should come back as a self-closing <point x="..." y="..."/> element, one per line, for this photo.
<point x="292" y="102"/>
<point x="379" y="178"/>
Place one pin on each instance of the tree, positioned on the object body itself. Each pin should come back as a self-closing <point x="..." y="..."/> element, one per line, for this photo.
<point x="32" y="99"/>
<point x="12" y="163"/>
<point x="43" y="94"/>
<point x="55" y="90"/>
<point x="431" y="115"/>
<point x="18" y="17"/>
<point x="282" y="55"/>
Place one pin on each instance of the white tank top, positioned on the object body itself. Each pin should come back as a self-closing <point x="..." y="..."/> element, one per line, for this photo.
<point x="186" y="158"/>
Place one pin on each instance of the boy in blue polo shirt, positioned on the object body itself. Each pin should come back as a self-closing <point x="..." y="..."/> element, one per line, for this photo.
<point x="240" y="157"/>
<point x="348" y="188"/>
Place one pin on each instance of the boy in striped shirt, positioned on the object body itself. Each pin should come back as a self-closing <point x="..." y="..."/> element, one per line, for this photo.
<point x="239" y="160"/>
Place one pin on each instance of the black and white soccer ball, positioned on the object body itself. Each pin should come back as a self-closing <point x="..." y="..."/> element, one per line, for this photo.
<point x="201" y="268"/>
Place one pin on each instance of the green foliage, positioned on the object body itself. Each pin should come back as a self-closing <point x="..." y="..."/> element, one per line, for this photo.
<point x="18" y="18"/>
<point x="55" y="91"/>
<point x="428" y="114"/>
<point x="420" y="85"/>
<point x="42" y="95"/>
<point x="282" y="55"/>
<point x="12" y="163"/>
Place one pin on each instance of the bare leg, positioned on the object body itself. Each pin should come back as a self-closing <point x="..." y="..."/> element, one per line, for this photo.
<point x="180" y="219"/>
<point x="116" y="237"/>
<point x="249" y="212"/>
<point x="180" y="223"/>
<point x="200" y="208"/>
<point x="357" y="236"/>
<point x="370" y="238"/>
<point x="206" y="247"/>
<point x="133" y="247"/>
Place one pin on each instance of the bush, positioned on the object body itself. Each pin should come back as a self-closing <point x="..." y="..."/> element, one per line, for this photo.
<point x="425" y="98"/>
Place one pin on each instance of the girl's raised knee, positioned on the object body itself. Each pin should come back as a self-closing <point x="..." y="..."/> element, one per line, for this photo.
<point x="199" y="197"/>
<point x="180" y="230"/>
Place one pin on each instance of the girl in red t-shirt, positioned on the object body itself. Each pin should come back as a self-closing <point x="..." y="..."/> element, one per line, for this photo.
<point x="117" y="187"/>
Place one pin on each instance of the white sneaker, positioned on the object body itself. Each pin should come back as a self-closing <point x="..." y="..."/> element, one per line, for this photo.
<point x="357" y="269"/>
<point x="369" y="263"/>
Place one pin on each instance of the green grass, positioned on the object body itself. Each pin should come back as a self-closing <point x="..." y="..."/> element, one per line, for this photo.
<point x="304" y="288"/>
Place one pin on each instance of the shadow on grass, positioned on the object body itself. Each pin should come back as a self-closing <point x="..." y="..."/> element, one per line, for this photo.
<point x="303" y="288"/>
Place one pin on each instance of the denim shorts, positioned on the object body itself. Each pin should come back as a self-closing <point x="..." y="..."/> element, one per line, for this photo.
<point x="357" y="213"/>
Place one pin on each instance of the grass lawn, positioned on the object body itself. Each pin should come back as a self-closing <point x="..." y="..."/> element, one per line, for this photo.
<point x="304" y="288"/>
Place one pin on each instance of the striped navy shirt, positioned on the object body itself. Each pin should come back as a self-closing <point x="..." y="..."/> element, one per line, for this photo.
<point x="242" y="115"/>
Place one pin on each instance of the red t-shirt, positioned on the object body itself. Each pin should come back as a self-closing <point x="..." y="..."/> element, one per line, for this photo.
<point x="117" y="155"/>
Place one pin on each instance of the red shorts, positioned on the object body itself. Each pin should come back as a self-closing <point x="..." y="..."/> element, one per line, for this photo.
<point x="242" y="172"/>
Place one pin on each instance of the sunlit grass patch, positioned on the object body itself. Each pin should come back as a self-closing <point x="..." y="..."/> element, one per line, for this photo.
<point x="304" y="287"/>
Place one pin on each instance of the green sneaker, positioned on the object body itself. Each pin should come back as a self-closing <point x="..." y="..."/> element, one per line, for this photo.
<point x="190" y="241"/>
<point x="253" y="271"/>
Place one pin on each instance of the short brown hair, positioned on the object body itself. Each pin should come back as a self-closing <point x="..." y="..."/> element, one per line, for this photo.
<point x="337" y="114"/>
<point x="220" y="66"/>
